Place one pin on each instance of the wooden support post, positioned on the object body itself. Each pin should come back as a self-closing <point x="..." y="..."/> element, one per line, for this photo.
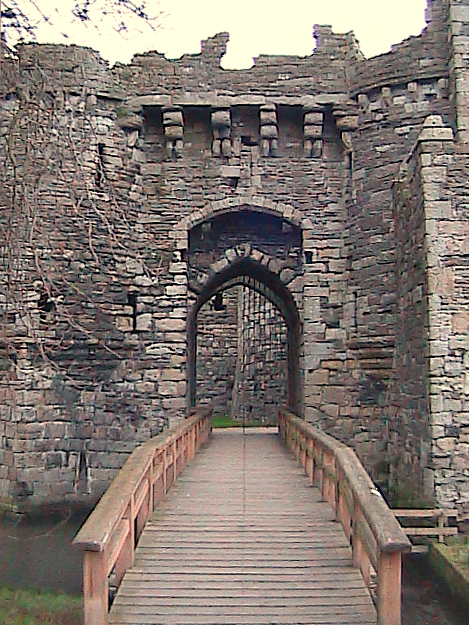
<point x="389" y="589"/>
<point x="192" y="444"/>
<point x="329" y="480"/>
<point x="358" y="551"/>
<point x="310" y="461"/>
<point x="342" y="513"/>
<point x="441" y="525"/>
<point x="95" y="589"/>
<point x="165" y="473"/>
<point x="109" y="535"/>
<point x="174" y="453"/>
<point x="319" y="473"/>
<point x="376" y="537"/>
<point x="151" y="491"/>
<point x="125" y="559"/>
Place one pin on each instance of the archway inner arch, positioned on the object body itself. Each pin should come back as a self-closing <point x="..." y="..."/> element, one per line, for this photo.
<point x="253" y="353"/>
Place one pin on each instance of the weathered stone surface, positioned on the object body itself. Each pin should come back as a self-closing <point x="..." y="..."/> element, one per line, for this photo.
<point x="327" y="194"/>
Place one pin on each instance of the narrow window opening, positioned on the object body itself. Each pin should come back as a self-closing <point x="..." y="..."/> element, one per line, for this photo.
<point x="249" y="141"/>
<point x="81" y="479"/>
<point x="100" y="176"/>
<point x="132" y="300"/>
<point x="308" y="258"/>
<point x="217" y="303"/>
<point x="82" y="468"/>
<point x="45" y="305"/>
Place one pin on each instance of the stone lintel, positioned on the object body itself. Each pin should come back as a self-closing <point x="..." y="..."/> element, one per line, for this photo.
<point x="216" y="100"/>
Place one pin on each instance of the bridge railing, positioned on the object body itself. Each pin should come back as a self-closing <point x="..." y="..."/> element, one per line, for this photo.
<point x="110" y="534"/>
<point x="376" y="538"/>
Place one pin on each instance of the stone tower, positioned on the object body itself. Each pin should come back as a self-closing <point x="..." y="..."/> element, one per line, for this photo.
<point x="171" y="230"/>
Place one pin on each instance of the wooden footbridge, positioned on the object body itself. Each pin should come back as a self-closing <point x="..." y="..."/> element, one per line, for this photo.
<point x="245" y="536"/>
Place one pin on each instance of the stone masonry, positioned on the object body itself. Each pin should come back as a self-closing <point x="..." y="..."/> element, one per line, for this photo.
<point x="172" y="232"/>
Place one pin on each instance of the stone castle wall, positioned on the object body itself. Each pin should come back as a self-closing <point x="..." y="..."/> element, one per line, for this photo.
<point x="217" y="350"/>
<point x="136" y="196"/>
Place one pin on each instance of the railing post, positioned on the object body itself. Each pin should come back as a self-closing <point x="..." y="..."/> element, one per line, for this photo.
<point x="95" y="589"/>
<point x="329" y="475"/>
<point x="342" y="513"/>
<point x="310" y="461"/>
<point x="151" y="482"/>
<point x="376" y="537"/>
<point x="165" y="472"/>
<point x="192" y="443"/>
<point x="174" y="453"/>
<point x="389" y="589"/>
<point x="360" y="557"/>
<point x="126" y="557"/>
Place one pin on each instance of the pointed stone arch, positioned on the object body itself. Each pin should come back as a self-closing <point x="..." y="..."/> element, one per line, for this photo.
<point x="238" y="254"/>
<point x="247" y="272"/>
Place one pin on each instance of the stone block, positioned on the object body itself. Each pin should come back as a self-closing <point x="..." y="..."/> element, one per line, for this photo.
<point x="269" y="131"/>
<point x="230" y="171"/>
<point x="124" y="324"/>
<point x="268" y="117"/>
<point x="174" y="404"/>
<point x="221" y="118"/>
<point x="319" y="377"/>
<point x="173" y="118"/>
<point x="460" y="322"/>
<point x="173" y="374"/>
<point x="171" y="325"/>
<point x="313" y="118"/>
<point x="176" y="290"/>
<point x="144" y="322"/>
<point x="174" y="132"/>
<point x="313" y="132"/>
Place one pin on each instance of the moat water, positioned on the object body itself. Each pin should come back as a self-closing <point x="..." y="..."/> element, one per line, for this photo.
<point x="38" y="555"/>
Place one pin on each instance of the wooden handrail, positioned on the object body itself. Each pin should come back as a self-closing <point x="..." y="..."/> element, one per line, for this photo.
<point x="375" y="535"/>
<point x="440" y="516"/>
<point x="109" y="535"/>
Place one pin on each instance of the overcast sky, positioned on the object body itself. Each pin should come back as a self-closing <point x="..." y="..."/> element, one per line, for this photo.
<point x="255" y="26"/>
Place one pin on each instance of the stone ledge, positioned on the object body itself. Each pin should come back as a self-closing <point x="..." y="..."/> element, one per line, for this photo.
<point x="454" y="574"/>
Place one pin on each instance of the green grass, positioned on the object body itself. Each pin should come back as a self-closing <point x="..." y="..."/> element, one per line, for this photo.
<point x="225" y="421"/>
<point x="33" y="607"/>
<point x="458" y="549"/>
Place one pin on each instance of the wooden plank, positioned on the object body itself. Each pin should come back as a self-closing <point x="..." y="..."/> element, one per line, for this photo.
<point x="117" y="541"/>
<point x="238" y="589"/>
<point x="236" y="544"/>
<point x="141" y="493"/>
<point x="98" y="528"/>
<point x="323" y="578"/>
<point x="317" y="619"/>
<point x="431" y="531"/>
<point x="425" y="514"/>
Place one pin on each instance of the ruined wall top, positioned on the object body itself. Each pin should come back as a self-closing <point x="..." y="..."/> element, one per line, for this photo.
<point x="336" y="66"/>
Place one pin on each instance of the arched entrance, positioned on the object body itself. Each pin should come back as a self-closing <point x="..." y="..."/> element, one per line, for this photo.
<point x="261" y="360"/>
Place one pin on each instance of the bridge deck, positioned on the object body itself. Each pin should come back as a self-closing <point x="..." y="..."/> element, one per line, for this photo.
<point x="243" y="539"/>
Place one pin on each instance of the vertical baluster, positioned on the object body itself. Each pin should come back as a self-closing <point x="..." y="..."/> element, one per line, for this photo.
<point x="95" y="589"/>
<point x="389" y="589"/>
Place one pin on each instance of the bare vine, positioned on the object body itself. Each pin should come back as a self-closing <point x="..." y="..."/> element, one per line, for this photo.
<point x="60" y="231"/>
<point x="20" y="19"/>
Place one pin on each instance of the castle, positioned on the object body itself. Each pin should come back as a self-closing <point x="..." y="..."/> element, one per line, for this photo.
<point x="295" y="233"/>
